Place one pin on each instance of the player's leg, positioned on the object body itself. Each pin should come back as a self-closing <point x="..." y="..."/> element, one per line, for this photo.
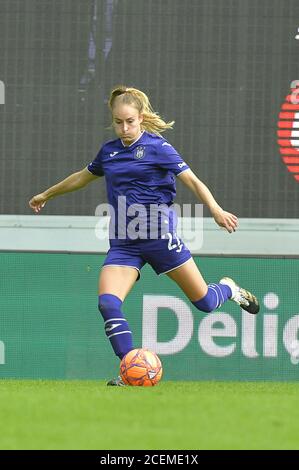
<point x="115" y="283"/>
<point x="205" y="297"/>
<point x="117" y="280"/>
<point x="169" y="255"/>
<point x="209" y="297"/>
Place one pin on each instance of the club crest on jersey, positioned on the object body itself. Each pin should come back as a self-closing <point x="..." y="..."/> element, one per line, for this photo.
<point x="139" y="152"/>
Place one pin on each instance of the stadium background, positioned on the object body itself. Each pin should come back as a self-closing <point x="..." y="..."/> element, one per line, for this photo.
<point x="221" y="70"/>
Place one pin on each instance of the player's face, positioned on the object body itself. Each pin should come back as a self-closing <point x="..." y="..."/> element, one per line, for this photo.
<point x="127" y="122"/>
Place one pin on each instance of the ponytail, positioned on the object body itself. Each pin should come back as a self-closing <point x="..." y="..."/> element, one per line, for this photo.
<point x="152" y="122"/>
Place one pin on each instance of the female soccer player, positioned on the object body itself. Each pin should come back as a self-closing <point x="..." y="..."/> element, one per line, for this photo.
<point x="140" y="167"/>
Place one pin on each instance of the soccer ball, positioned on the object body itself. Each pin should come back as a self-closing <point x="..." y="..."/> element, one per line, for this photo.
<point x="141" y="367"/>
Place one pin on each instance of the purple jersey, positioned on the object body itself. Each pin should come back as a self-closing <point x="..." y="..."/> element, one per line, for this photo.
<point x="140" y="174"/>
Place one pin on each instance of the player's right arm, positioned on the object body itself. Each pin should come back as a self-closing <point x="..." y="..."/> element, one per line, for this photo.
<point x="72" y="183"/>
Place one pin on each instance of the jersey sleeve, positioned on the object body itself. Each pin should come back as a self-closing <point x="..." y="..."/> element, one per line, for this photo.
<point x="169" y="159"/>
<point x="95" y="167"/>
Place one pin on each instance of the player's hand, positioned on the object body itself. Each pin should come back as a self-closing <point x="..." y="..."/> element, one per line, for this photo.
<point x="226" y="220"/>
<point x="38" y="202"/>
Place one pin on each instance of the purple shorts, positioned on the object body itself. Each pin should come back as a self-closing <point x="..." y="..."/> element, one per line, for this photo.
<point x="164" y="254"/>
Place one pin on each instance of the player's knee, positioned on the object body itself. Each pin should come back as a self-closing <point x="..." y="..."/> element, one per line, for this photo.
<point x="208" y="303"/>
<point x="109" y="305"/>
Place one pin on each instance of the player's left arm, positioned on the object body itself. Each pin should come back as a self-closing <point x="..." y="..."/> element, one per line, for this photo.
<point x="222" y="218"/>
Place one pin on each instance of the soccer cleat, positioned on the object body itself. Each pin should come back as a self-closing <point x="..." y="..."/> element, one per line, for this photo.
<point x="116" y="382"/>
<point x="242" y="297"/>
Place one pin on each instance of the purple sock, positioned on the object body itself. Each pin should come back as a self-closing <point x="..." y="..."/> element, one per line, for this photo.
<point x="116" y="326"/>
<point x="217" y="294"/>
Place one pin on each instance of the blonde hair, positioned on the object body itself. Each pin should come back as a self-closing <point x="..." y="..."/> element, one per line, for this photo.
<point x="152" y="122"/>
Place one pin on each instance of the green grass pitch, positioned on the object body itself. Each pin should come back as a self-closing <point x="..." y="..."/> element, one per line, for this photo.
<point x="172" y="415"/>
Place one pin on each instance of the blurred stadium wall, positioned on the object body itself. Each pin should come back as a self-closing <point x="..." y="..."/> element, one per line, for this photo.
<point x="220" y="69"/>
<point x="50" y="326"/>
